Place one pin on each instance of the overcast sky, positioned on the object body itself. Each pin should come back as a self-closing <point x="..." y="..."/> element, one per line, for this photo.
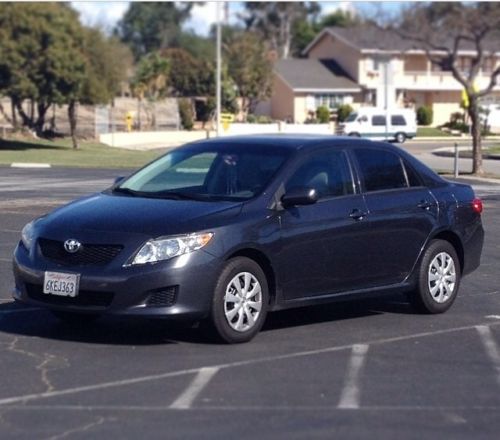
<point x="107" y="13"/>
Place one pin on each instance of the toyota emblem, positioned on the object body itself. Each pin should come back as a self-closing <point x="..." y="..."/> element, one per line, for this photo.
<point x="71" y="245"/>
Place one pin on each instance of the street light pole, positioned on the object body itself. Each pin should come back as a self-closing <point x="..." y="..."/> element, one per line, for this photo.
<point x="218" y="73"/>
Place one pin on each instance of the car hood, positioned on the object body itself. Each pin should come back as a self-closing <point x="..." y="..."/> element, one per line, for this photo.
<point x="137" y="215"/>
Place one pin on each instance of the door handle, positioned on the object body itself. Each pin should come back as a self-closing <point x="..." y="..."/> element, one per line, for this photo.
<point x="424" y="204"/>
<point x="356" y="214"/>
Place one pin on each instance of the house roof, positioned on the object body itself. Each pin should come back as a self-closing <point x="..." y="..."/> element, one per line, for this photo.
<point x="313" y="75"/>
<point x="369" y="38"/>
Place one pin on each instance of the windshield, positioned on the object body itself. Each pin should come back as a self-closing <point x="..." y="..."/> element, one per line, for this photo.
<point x="352" y="117"/>
<point x="214" y="173"/>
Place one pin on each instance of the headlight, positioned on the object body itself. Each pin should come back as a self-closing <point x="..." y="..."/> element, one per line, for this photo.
<point x="166" y="248"/>
<point x="27" y="235"/>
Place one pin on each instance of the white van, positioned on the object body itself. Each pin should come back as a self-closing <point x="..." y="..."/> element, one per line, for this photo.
<point x="370" y="122"/>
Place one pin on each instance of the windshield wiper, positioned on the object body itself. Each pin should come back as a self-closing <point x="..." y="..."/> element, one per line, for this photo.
<point x="127" y="191"/>
<point x="176" y="195"/>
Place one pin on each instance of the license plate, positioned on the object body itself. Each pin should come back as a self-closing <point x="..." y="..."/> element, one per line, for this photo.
<point x="61" y="284"/>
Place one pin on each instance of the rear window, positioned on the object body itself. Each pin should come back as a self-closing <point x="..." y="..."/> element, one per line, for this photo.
<point x="398" y="120"/>
<point x="381" y="170"/>
<point x="378" y="120"/>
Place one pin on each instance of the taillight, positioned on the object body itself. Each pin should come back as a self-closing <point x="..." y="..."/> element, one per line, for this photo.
<point x="477" y="206"/>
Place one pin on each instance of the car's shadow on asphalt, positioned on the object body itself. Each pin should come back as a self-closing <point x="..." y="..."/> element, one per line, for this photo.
<point x="138" y="331"/>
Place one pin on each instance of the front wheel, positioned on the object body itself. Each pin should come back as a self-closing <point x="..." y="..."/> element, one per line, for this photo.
<point x="240" y="301"/>
<point x="439" y="278"/>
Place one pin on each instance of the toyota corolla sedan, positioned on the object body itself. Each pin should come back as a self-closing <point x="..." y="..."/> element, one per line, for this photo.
<point x="224" y="231"/>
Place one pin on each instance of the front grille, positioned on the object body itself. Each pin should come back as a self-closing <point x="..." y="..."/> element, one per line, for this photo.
<point x="88" y="254"/>
<point x="164" y="297"/>
<point x="85" y="298"/>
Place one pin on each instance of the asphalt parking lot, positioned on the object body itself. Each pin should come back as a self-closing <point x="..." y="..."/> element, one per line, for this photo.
<point x="371" y="369"/>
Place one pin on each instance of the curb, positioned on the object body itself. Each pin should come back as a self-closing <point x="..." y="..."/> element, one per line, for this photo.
<point x="30" y="165"/>
<point x="449" y="138"/>
<point x="474" y="178"/>
<point x="450" y="152"/>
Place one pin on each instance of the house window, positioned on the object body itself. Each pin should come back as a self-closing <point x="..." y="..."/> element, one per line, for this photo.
<point x="488" y="64"/>
<point x="329" y="100"/>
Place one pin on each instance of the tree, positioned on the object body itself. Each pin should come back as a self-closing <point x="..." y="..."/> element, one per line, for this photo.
<point x="40" y="60"/>
<point x="274" y="21"/>
<point x="189" y="76"/>
<point x="306" y="29"/>
<point x="250" y="68"/>
<point x="151" y="79"/>
<point x="151" y="26"/>
<point x="107" y="65"/>
<point x="443" y="30"/>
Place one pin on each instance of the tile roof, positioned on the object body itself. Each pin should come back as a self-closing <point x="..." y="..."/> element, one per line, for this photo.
<point x="369" y="37"/>
<point x="303" y="74"/>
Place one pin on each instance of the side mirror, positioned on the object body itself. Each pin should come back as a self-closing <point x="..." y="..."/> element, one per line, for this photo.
<point x="299" y="196"/>
<point x="118" y="180"/>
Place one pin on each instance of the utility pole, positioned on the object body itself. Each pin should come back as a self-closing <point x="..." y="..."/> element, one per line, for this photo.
<point x="218" y="73"/>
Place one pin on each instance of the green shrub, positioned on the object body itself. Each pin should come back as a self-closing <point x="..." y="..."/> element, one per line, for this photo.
<point x="425" y="115"/>
<point x="186" y="113"/>
<point x="323" y="114"/>
<point x="263" y="119"/>
<point x="251" y="118"/>
<point x="343" y="111"/>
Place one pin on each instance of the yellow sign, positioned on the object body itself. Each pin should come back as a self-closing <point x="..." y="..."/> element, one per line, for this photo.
<point x="465" y="97"/>
<point x="129" y="119"/>
<point x="227" y="117"/>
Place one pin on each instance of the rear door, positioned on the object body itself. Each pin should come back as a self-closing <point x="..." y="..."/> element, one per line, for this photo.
<point x="401" y="212"/>
<point x="322" y="245"/>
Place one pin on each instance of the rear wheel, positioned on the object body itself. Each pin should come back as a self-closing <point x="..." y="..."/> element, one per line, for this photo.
<point x="439" y="278"/>
<point x="240" y="301"/>
<point x="400" y="138"/>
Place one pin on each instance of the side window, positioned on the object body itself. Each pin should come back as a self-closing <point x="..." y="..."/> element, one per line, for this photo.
<point x="378" y="120"/>
<point x="398" y="120"/>
<point x="327" y="172"/>
<point x="380" y="169"/>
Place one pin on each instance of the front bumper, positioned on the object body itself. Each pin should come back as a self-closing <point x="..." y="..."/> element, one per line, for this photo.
<point x="178" y="288"/>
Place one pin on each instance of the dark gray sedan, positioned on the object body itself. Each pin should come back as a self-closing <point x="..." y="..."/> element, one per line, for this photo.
<point x="225" y="230"/>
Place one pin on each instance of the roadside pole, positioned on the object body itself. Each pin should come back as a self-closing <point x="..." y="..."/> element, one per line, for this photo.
<point x="386" y="97"/>
<point x="218" y="73"/>
<point x="455" y="162"/>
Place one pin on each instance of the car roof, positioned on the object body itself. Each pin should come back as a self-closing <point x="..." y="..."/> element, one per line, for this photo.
<point x="290" y="141"/>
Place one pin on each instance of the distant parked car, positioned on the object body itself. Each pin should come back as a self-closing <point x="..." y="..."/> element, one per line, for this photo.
<point x="370" y="122"/>
<point x="226" y="230"/>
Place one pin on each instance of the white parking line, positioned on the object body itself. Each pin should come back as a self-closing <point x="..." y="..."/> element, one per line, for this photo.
<point x="104" y="385"/>
<point x="349" y="399"/>
<point x="186" y="399"/>
<point x="491" y="347"/>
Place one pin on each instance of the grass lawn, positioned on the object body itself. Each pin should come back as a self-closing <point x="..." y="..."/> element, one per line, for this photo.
<point x="494" y="150"/>
<point x="60" y="153"/>
<point x="431" y="132"/>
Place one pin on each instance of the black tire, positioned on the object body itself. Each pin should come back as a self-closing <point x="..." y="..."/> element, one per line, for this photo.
<point x="354" y="134"/>
<point x="400" y="138"/>
<point x="219" y="321"/>
<point x="422" y="298"/>
<point x="75" y="318"/>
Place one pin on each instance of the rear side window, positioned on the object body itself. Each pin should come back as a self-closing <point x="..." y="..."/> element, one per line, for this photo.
<point x="378" y="120"/>
<point x="398" y="120"/>
<point x="380" y="169"/>
<point x="327" y="172"/>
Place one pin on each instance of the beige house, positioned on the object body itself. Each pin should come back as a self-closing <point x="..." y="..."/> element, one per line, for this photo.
<point x="359" y="57"/>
